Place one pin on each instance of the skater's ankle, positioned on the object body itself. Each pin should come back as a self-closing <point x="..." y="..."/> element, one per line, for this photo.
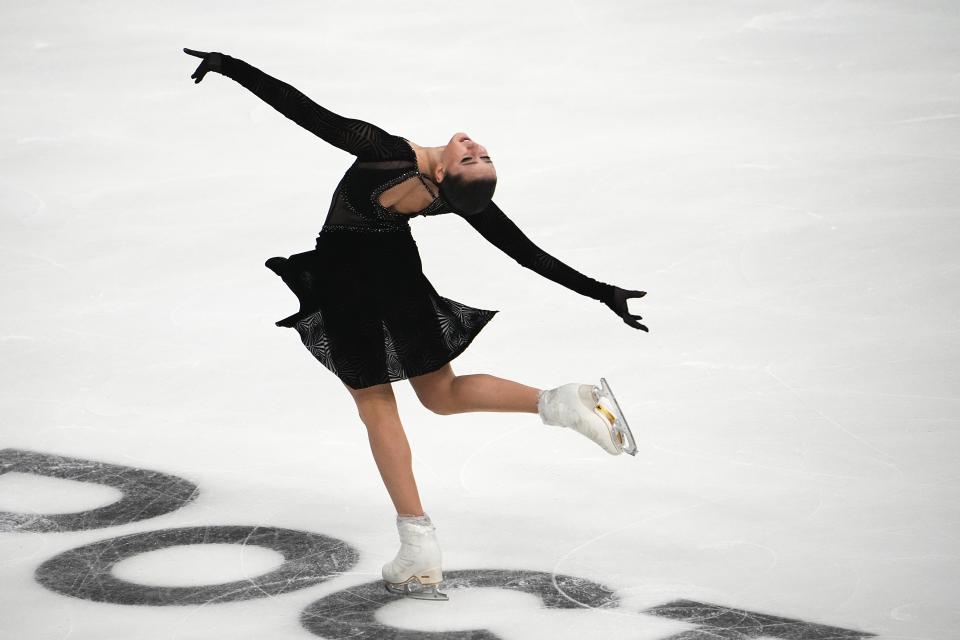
<point x="423" y="518"/>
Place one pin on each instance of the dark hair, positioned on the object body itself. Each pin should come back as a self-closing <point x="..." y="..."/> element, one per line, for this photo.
<point x="467" y="196"/>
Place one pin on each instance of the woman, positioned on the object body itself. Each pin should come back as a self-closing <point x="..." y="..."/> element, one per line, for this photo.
<point x="369" y="315"/>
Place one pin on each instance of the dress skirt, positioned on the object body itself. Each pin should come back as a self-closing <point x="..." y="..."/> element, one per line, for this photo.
<point x="367" y="311"/>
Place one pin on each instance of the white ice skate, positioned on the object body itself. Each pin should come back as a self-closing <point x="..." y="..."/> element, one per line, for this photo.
<point x="582" y="407"/>
<point x="415" y="571"/>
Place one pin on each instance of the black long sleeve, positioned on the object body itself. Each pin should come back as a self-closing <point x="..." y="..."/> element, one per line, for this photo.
<point x="494" y="225"/>
<point x="362" y="139"/>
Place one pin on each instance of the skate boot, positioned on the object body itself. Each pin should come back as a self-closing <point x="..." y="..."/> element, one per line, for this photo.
<point x="579" y="407"/>
<point x="415" y="571"/>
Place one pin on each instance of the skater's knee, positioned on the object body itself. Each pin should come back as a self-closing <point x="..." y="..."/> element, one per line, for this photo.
<point x="439" y="400"/>
<point x="441" y="407"/>
<point x="435" y="390"/>
<point x="374" y="414"/>
<point x="381" y="424"/>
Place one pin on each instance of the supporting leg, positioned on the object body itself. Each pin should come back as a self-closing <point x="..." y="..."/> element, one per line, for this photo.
<point x="377" y="407"/>
<point x="416" y="570"/>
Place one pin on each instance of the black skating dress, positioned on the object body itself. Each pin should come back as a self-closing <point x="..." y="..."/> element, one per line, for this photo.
<point x="367" y="311"/>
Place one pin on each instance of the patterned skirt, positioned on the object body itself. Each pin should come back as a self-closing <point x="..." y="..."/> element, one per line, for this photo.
<point x="367" y="311"/>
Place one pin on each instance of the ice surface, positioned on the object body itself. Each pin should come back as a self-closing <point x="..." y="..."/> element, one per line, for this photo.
<point x="781" y="178"/>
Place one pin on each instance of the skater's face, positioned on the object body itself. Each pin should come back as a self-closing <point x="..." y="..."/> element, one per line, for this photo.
<point x="463" y="156"/>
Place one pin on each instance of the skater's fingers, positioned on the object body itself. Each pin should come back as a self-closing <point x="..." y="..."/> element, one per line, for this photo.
<point x="200" y="72"/>
<point x="192" y="52"/>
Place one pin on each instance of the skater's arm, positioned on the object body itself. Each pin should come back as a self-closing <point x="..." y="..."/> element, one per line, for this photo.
<point x="494" y="225"/>
<point x="362" y="139"/>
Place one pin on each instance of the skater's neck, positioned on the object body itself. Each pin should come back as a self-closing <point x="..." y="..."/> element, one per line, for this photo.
<point x="428" y="160"/>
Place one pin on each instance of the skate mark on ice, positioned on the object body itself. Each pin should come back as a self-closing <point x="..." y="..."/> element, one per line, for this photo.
<point x="883" y="457"/>
<point x="742" y="463"/>
<point x="715" y="622"/>
<point x="477" y="451"/>
<point x="635" y="523"/>
<point x="943" y="116"/>
<point x="146" y="494"/>
<point x="86" y="572"/>
<point x="351" y="613"/>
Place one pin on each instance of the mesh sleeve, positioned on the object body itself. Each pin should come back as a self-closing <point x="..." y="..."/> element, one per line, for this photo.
<point x="494" y="225"/>
<point x="362" y="139"/>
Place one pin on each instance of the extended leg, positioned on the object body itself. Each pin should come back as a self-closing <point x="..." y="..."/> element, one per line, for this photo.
<point x="573" y="405"/>
<point x="485" y="392"/>
<point x="445" y="393"/>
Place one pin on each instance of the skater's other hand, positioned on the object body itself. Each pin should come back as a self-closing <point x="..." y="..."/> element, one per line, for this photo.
<point x="618" y="303"/>
<point x="212" y="61"/>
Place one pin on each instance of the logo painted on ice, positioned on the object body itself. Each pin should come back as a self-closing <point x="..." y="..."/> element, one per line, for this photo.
<point x="308" y="559"/>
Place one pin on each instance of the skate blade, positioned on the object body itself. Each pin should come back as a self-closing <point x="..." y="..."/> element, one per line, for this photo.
<point x="412" y="588"/>
<point x="622" y="435"/>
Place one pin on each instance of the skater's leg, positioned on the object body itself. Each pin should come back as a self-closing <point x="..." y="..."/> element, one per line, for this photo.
<point x="485" y="392"/>
<point x="445" y="393"/>
<point x="377" y="407"/>
<point x="416" y="570"/>
<point x="571" y="405"/>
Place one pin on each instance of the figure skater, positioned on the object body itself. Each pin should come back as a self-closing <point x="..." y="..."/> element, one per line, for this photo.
<point x="370" y="315"/>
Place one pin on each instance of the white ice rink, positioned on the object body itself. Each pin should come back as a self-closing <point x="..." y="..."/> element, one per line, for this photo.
<point x="780" y="177"/>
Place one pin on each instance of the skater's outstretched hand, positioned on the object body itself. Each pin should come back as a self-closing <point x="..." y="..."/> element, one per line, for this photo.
<point x="618" y="302"/>
<point x="212" y="61"/>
